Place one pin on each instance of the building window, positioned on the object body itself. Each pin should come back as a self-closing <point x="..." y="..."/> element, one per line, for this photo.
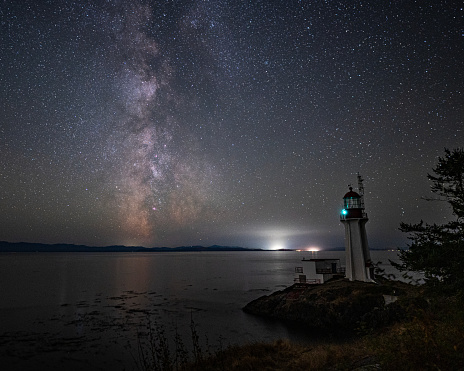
<point x="352" y="203"/>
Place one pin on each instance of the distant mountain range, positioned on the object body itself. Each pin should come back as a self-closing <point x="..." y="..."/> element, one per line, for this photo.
<point x="62" y="247"/>
<point x="40" y="247"/>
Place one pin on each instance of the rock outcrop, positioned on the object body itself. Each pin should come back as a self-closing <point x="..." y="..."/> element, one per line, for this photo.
<point x="338" y="305"/>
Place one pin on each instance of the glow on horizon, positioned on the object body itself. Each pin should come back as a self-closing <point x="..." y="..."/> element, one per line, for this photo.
<point x="277" y="246"/>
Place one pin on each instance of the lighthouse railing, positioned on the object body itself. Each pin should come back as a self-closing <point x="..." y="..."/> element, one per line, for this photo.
<point x="345" y="216"/>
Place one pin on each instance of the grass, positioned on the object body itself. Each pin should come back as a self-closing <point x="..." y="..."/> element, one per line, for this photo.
<point x="284" y="355"/>
<point x="425" y="342"/>
<point x="430" y="338"/>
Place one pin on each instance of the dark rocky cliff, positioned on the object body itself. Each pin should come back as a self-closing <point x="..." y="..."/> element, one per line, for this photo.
<point x="338" y="305"/>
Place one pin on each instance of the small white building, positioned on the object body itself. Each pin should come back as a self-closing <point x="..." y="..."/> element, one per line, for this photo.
<point x="317" y="271"/>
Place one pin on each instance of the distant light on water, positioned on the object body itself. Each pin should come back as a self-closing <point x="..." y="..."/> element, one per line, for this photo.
<point x="310" y="249"/>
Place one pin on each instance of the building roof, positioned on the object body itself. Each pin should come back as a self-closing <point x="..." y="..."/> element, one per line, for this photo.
<point x="351" y="194"/>
<point x="320" y="260"/>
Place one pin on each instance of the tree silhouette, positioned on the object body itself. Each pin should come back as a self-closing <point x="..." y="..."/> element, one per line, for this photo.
<point x="438" y="250"/>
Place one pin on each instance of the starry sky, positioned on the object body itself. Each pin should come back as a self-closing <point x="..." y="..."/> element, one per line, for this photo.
<point x="239" y="123"/>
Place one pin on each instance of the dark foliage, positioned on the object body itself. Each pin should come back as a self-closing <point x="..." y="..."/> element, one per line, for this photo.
<point x="438" y="250"/>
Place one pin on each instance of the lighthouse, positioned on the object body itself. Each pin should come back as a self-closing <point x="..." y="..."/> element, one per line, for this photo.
<point x="358" y="259"/>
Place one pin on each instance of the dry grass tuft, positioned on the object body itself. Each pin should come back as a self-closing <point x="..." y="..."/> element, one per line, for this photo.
<point x="284" y="355"/>
<point x="424" y="343"/>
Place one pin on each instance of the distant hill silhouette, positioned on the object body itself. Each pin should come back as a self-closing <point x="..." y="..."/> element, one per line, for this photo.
<point x="40" y="247"/>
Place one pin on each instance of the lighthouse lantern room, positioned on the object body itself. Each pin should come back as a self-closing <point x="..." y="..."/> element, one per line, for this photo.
<point x="358" y="260"/>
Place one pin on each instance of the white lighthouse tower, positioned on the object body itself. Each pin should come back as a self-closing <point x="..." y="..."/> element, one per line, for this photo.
<point x="358" y="259"/>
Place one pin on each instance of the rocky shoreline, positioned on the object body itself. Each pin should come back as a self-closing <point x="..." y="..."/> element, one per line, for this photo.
<point x="336" y="306"/>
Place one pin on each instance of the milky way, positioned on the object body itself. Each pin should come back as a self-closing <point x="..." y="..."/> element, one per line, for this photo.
<point x="163" y="123"/>
<point x="158" y="187"/>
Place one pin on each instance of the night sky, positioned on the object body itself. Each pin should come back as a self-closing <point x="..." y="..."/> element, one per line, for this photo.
<point x="239" y="123"/>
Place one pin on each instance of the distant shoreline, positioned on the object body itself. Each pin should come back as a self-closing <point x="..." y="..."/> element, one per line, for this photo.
<point x="41" y="247"/>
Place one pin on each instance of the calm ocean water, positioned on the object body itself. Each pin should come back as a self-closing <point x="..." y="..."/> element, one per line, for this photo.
<point x="89" y="310"/>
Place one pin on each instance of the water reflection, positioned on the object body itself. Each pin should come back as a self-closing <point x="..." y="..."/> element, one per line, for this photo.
<point x="104" y="300"/>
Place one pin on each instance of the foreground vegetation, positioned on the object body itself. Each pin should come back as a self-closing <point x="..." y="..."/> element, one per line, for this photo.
<point x="437" y="250"/>
<point x="429" y="337"/>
